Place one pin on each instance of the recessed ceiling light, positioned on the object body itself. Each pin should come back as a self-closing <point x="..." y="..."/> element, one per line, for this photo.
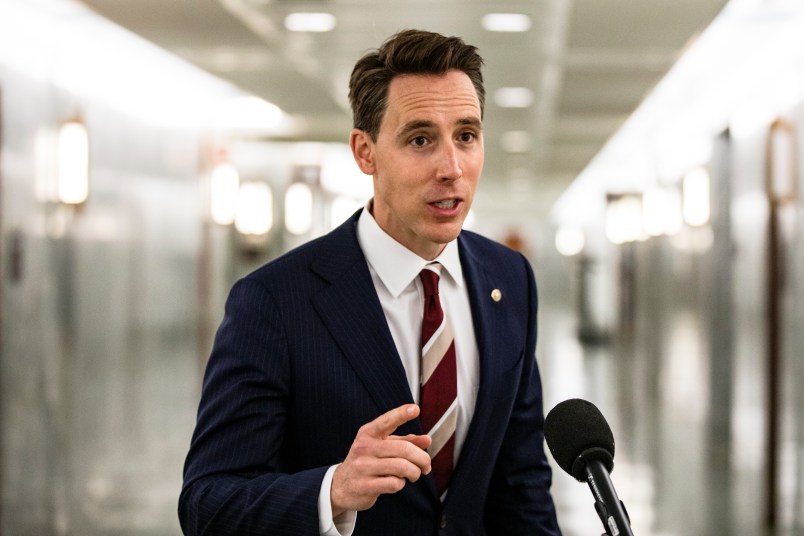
<point x="506" y="22"/>
<point x="513" y="97"/>
<point x="310" y="22"/>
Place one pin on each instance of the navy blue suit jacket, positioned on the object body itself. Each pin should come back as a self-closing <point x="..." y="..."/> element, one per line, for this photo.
<point x="304" y="357"/>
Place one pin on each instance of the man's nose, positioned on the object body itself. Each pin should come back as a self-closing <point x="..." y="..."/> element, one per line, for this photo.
<point x="449" y="164"/>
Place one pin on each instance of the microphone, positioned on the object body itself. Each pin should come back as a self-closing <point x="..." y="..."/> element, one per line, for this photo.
<point x="582" y="444"/>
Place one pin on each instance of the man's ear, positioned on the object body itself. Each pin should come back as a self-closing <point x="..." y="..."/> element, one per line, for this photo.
<point x="362" y="150"/>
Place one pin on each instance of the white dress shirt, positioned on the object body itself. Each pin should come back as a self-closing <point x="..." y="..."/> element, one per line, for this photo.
<point x="395" y="273"/>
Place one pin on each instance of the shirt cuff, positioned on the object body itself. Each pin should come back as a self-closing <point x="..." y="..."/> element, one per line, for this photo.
<point x="344" y="524"/>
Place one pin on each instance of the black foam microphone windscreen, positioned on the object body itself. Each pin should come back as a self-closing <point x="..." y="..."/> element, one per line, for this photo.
<point x="576" y="427"/>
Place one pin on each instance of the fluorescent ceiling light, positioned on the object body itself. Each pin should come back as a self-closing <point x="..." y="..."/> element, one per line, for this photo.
<point x="310" y="22"/>
<point x="513" y="97"/>
<point x="506" y="22"/>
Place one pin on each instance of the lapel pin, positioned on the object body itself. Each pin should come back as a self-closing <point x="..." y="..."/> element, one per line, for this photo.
<point x="496" y="295"/>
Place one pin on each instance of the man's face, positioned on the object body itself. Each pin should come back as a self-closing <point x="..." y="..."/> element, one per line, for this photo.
<point x="426" y="161"/>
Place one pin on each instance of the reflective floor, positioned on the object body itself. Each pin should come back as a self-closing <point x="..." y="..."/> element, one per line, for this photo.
<point x="675" y="468"/>
<point x="660" y="470"/>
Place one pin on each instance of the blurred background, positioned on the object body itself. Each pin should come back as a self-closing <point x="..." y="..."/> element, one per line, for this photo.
<point x="644" y="155"/>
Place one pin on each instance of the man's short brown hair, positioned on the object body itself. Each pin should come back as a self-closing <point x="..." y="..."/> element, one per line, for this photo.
<point x="407" y="52"/>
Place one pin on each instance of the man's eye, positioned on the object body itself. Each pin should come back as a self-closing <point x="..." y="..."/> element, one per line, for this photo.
<point x="467" y="136"/>
<point x="419" y="141"/>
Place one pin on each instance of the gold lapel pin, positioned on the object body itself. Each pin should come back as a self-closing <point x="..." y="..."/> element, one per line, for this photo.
<point x="496" y="295"/>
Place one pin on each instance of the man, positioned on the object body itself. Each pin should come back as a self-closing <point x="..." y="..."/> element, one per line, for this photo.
<point x="308" y="422"/>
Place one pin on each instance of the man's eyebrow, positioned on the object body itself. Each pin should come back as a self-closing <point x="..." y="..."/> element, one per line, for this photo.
<point x="412" y="126"/>
<point x="425" y="124"/>
<point x="471" y="122"/>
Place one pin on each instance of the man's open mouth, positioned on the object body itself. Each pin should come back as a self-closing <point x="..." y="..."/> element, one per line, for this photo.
<point x="447" y="203"/>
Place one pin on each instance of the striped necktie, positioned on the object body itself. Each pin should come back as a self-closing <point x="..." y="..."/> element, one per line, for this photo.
<point x="439" y="389"/>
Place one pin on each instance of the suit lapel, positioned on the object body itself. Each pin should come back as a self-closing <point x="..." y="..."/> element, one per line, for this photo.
<point x="352" y="312"/>
<point x="488" y="321"/>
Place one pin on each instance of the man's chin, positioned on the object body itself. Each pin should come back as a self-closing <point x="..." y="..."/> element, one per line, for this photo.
<point x="444" y="236"/>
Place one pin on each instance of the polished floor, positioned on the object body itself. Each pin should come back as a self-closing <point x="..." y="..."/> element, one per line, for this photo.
<point x="678" y="468"/>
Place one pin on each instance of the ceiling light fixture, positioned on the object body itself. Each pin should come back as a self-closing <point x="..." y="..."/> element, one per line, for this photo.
<point x="310" y="22"/>
<point x="506" y="22"/>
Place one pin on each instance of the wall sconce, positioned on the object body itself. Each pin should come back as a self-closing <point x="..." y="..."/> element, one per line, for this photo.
<point x="72" y="163"/>
<point x="695" y="197"/>
<point x="298" y="208"/>
<point x="624" y="217"/>
<point x="661" y="206"/>
<point x="223" y="193"/>
<point x="569" y="240"/>
<point x="255" y="209"/>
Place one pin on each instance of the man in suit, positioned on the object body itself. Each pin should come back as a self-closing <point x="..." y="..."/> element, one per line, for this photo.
<point x="317" y="388"/>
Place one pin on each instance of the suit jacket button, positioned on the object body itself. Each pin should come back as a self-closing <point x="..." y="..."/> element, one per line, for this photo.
<point x="443" y="521"/>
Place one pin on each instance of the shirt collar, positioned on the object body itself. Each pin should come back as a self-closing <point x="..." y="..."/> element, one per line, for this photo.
<point x="396" y="265"/>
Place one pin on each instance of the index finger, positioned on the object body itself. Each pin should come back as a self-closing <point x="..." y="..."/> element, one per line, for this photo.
<point x="385" y="424"/>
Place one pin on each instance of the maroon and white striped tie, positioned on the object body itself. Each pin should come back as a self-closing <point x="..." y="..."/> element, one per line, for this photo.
<point x="439" y="384"/>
